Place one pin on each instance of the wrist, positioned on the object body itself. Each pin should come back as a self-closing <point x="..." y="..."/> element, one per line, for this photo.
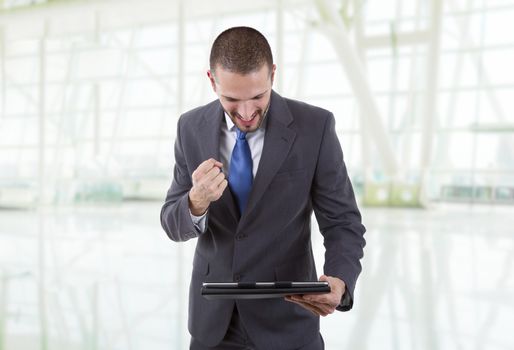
<point x="197" y="207"/>
<point x="341" y="285"/>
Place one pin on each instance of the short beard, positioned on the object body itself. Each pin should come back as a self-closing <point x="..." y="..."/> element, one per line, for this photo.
<point x="263" y="116"/>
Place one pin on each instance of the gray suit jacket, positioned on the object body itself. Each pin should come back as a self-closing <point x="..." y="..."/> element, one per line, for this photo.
<point x="301" y="170"/>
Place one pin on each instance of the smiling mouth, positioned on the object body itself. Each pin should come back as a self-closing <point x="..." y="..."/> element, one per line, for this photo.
<point x="249" y="120"/>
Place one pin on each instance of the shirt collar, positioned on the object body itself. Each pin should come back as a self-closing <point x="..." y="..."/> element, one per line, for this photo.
<point x="230" y="123"/>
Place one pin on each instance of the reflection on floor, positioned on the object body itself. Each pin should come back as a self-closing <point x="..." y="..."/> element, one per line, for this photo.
<point x="108" y="278"/>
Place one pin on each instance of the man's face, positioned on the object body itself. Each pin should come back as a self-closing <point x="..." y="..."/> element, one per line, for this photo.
<point x="246" y="97"/>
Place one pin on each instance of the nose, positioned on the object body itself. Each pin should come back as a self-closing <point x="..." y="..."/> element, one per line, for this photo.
<point x="246" y="111"/>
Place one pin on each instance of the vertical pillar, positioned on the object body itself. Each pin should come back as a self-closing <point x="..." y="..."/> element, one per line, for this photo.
<point x="95" y="319"/>
<point x="337" y="34"/>
<point x="430" y="106"/>
<point x="279" y="50"/>
<point x="96" y="96"/>
<point x="2" y="72"/>
<point x="181" y="74"/>
<point x="3" y="308"/>
<point x="42" y="117"/>
<point x="364" y="124"/>
<point x="96" y="119"/>
<point x="42" y="190"/>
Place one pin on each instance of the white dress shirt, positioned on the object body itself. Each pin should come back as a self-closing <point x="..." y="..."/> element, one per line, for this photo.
<point x="228" y="137"/>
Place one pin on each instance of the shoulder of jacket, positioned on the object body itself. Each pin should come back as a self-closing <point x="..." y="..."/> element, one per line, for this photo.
<point x="195" y="115"/>
<point x="308" y="114"/>
<point x="296" y="106"/>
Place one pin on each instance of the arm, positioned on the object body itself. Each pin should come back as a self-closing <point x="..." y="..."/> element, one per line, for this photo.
<point x="190" y="194"/>
<point x="339" y="222"/>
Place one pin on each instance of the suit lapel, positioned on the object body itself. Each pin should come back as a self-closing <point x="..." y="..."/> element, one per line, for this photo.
<point x="209" y="134"/>
<point x="209" y="131"/>
<point x="277" y="143"/>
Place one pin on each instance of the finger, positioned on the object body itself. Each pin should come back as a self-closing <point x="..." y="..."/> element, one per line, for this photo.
<point x="218" y="164"/>
<point x="321" y="306"/>
<point x="208" y="177"/>
<point x="329" y="299"/>
<point x="315" y="309"/>
<point x="321" y="309"/>
<point x="213" y="184"/>
<point x="216" y="190"/>
<point x="332" y="303"/>
<point x="207" y="165"/>
<point x="334" y="283"/>
<point x="218" y="179"/>
<point x="306" y="306"/>
<point x="328" y="308"/>
<point x="324" y="308"/>
<point x="222" y="186"/>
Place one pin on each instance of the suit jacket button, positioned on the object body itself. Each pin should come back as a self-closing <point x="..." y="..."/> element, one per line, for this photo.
<point x="237" y="277"/>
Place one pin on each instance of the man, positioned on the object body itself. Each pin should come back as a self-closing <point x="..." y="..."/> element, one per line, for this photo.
<point x="250" y="169"/>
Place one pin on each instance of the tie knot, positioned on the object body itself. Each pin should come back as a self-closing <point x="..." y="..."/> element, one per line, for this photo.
<point x="240" y="135"/>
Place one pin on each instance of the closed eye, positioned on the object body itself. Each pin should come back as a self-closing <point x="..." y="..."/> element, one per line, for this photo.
<point x="231" y="99"/>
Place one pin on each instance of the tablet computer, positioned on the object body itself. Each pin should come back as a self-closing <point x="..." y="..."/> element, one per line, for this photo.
<point x="261" y="290"/>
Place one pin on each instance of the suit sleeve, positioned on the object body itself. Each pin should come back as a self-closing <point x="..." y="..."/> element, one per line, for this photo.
<point x="337" y="214"/>
<point x="175" y="214"/>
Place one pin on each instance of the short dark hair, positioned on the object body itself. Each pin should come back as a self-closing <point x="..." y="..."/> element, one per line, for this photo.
<point x="240" y="50"/>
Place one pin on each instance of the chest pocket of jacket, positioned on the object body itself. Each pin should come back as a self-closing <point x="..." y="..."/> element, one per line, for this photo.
<point x="289" y="175"/>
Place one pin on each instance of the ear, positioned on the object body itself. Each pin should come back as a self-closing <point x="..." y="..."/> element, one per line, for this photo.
<point x="273" y="68"/>
<point x="212" y="79"/>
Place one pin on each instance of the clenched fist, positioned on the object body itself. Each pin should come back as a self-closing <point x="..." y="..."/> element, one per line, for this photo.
<point x="209" y="182"/>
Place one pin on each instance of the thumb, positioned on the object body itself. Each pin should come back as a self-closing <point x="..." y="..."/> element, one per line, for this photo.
<point x="323" y="278"/>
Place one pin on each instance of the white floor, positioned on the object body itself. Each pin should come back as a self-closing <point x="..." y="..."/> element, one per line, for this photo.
<point x="108" y="278"/>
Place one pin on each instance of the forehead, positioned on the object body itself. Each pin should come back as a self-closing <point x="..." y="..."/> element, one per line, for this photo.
<point x="242" y="86"/>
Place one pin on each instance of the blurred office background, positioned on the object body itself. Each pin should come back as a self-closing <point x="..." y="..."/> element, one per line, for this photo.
<point x="90" y="93"/>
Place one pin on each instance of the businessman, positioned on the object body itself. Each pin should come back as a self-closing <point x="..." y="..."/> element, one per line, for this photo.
<point x="250" y="169"/>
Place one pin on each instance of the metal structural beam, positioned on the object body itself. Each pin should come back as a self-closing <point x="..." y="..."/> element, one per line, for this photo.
<point x="181" y="85"/>
<point x="359" y="46"/>
<point x="26" y="21"/>
<point x="42" y="193"/>
<point x="279" y="49"/>
<point x="42" y="118"/>
<point x="401" y="39"/>
<point x="493" y="127"/>
<point x="2" y="72"/>
<point x="429" y="120"/>
<point x="3" y="308"/>
<point x="333" y="26"/>
<point x="467" y="41"/>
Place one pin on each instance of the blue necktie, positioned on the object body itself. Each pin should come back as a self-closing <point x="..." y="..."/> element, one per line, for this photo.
<point x="240" y="175"/>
